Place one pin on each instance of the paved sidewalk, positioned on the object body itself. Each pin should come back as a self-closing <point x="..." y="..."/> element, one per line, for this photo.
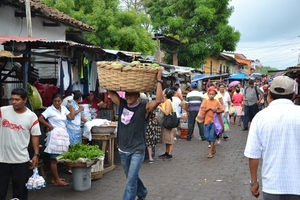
<point x="189" y="176"/>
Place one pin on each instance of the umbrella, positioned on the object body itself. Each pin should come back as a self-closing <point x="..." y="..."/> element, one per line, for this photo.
<point x="257" y="75"/>
<point x="233" y="83"/>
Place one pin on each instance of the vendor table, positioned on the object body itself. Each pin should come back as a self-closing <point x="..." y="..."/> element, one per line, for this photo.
<point x="108" y="141"/>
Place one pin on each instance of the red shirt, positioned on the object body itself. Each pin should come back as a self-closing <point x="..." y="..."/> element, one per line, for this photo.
<point x="237" y="99"/>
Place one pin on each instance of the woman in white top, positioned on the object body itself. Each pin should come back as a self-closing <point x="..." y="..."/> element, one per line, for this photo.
<point x="226" y="99"/>
<point x="56" y="116"/>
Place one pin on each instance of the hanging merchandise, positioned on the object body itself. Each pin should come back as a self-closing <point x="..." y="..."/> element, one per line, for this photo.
<point x="34" y="97"/>
<point x="46" y="91"/>
<point x="86" y="72"/>
<point x="93" y="77"/>
<point x="65" y="75"/>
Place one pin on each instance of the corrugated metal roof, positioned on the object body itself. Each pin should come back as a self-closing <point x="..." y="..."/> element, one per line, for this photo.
<point x="49" y="13"/>
<point x="8" y="38"/>
<point x="49" y="43"/>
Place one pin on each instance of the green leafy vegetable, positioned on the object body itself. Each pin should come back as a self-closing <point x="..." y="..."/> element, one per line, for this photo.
<point x="82" y="151"/>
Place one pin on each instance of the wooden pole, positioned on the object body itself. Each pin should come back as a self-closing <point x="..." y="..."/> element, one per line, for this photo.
<point x="28" y="17"/>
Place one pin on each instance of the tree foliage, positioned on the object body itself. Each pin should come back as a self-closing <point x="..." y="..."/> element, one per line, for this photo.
<point x="201" y="26"/>
<point x="139" y="6"/>
<point x="115" y="28"/>
<point x="265" y="70"/>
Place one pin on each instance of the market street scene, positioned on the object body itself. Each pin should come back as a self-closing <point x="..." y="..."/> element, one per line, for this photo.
<point x="190" y="175"/>
<point x="156" y="100"/>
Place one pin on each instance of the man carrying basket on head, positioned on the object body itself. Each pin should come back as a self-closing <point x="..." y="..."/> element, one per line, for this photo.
<point x="131" y="136"/>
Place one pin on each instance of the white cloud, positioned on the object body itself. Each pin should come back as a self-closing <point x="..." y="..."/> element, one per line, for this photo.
<point x="269" y="30"/>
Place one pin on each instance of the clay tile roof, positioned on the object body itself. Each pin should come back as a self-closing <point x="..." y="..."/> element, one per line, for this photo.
<point x="49" y="13"/>
<point x="7" y="38"/>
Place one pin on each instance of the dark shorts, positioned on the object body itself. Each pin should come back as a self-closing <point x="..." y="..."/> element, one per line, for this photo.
<point x="53" y="156"/>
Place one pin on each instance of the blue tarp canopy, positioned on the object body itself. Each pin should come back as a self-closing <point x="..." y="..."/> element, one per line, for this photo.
<point x="239" y="76"/>
<point x="199" y="77"/>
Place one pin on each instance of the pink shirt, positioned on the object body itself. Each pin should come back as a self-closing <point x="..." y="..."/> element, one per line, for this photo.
<point x="237" y="99"/>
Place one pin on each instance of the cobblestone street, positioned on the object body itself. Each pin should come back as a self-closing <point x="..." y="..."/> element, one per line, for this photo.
<point x="189" y="176"/>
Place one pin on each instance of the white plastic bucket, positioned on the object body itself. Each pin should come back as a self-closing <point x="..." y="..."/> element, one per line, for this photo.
<point x="81" y="178"/>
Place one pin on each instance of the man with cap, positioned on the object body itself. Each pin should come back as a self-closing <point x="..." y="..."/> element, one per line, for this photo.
<point x="194" y="100"/>
<point x="274" y="136"/>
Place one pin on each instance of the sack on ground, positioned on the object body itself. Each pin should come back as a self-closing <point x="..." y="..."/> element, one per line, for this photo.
<point x="171" y="121"/>
<point x="218" y="123"/>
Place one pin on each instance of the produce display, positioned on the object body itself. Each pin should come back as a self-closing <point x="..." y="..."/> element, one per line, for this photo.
<point x="137" y="64"/>
<point x="81" y="152"/>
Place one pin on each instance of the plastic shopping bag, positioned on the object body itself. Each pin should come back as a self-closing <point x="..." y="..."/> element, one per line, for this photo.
<point x="226" y="127"/>
<point x="232" y="111"/>
<point x="35" y="182"/>
<point x="218" y="123"/>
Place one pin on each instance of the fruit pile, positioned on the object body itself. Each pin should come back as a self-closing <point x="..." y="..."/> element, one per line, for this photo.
<point x="137" y="64"/>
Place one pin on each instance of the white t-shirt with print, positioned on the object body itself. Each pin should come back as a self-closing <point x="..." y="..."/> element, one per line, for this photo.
<point x="15" y="131"/>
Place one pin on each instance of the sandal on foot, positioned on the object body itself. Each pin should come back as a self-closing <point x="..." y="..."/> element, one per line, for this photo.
<point x="61" y="179"/>
<point x="61" y="184"/>
<point x="151" y="161"/>
<point x="210" y="156"/>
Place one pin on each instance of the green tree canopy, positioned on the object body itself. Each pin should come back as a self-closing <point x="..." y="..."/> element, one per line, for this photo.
<point x="115" y="29"/>
<point x="201" y="25"/>
<point x="266" y="69"/>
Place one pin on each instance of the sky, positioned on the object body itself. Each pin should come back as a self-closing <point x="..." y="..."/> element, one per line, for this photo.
<point x="270" y="31"/>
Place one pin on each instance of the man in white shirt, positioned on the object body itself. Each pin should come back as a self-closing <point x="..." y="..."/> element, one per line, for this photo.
<point x="18" y="125"/>
<point x="274" y="136"/>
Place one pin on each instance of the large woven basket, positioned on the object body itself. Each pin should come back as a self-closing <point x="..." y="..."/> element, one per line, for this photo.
<point x="78" y="164"/>
<point x="126" y="78"/>
<point x="96" y="175"/>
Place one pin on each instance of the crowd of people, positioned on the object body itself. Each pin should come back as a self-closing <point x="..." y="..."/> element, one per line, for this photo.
<point x="213" y="109"/>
